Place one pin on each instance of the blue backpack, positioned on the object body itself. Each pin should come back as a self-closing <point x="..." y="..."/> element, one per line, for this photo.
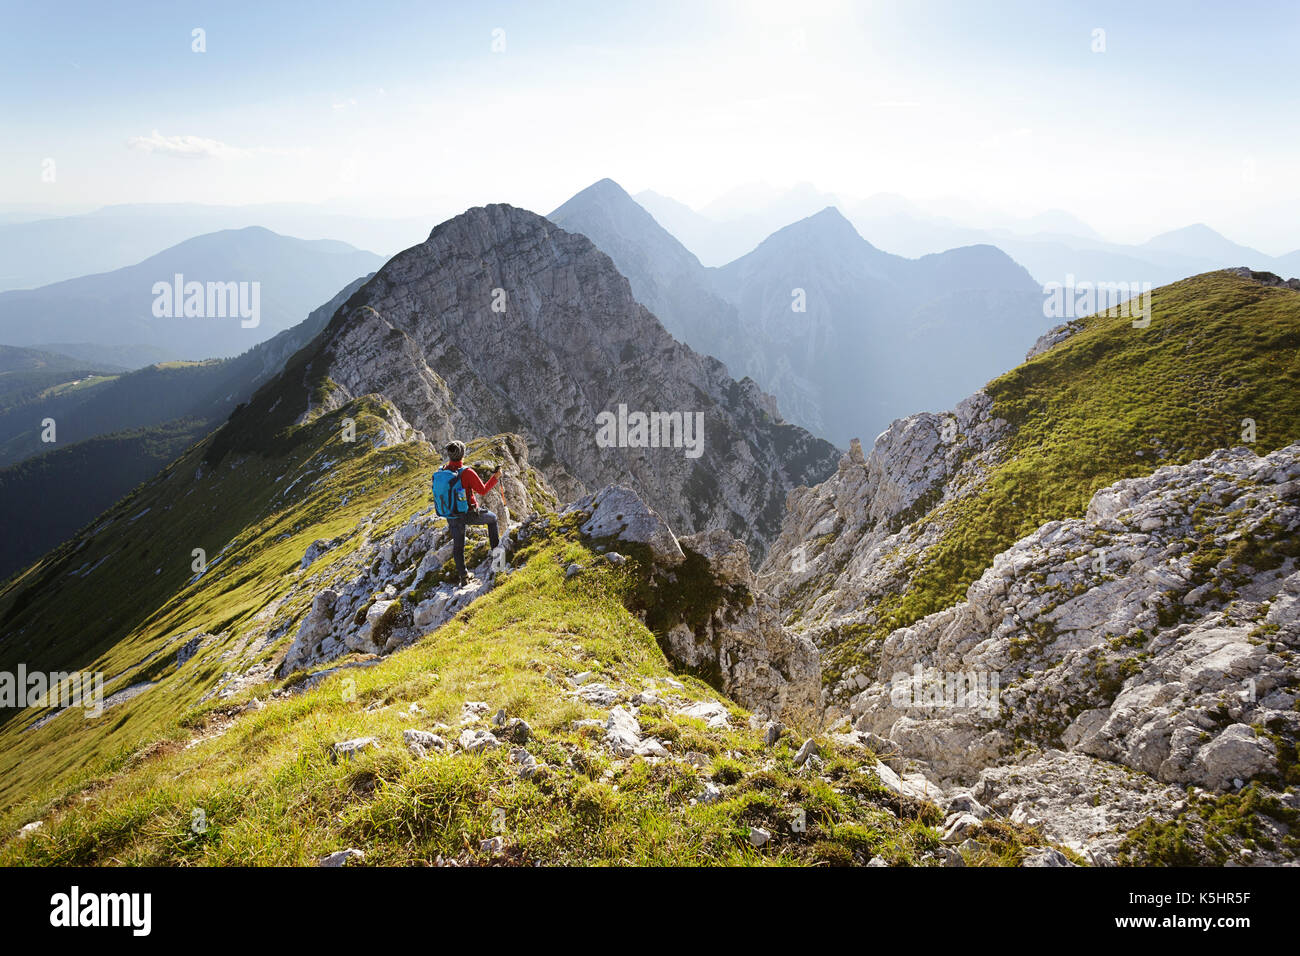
<point x="449" y="499"/>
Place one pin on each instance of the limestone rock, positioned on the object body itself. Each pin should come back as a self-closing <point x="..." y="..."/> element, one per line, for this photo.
<point x="618" y="512"/>
<point x="346" y="749"/>
<point x="342" y="858"/>
<point x="420" y="742"/>
<point x="476" y="741"/>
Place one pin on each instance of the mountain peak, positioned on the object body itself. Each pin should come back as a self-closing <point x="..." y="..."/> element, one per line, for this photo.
<point x="482" y="227"/>
<point x="602" y="191"/>
<point x="505" y="321"/>
<point x="826" y="225"/>
<point x="608" y="185"/>
<point x="604" y="210"/>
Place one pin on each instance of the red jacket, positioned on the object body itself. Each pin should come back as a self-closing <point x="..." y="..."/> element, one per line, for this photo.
<point x="472" y="483"/>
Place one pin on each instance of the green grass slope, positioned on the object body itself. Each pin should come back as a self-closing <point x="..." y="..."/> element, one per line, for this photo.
<point x="267" y="791"/>
<point x="1113" y="402"/>
<point x="86" y="478"/>
<point x="25" y="374"/>
<point x="118" y="596"/>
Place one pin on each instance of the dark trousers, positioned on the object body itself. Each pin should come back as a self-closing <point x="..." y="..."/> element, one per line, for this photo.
<point x="457" y="527"/>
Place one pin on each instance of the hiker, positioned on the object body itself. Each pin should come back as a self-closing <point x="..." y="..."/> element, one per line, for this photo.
<point x="455" y="490"/>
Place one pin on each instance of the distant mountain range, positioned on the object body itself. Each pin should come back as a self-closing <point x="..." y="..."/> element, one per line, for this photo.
<point x="846" y="337"/>
<point x="1051" y="245"/>
<point x="113" y="316"/>
<point x="113" y="430"/>
<point x="38" y="249"/>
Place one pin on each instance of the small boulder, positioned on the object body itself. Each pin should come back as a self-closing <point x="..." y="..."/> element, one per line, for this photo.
<point x="809" y="749"/>
<point x="346" y="749"/>
<point x="618" y="512"/>
<point x="341" y="857"/>
<point x="622" y="732"/>
<point x="710" y="793"/>
<point x="964" y="802"/>
<point x="1045" y="856"/>
<point x="525" y="763"/>
<point x="1236" y="753"/>
<point x="475" y="741"/>
<point x="959" y="827"/>
<point x="727" y="558"/>
<point x="420" y="742"/>
<point x="711" y="712"/>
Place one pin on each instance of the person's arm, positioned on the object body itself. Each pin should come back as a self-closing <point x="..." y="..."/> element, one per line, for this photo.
<point x="470" y="480"/>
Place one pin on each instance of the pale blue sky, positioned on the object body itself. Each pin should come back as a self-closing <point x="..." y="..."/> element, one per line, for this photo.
<point x="1189" y="114"/>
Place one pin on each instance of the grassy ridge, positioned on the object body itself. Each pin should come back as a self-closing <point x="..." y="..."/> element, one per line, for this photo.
<point x="270" y="793"/>
<point x="117" y="597"/>
<point x="1114" y="402"/>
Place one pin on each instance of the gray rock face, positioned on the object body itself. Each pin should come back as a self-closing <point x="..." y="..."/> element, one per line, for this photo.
<point x="1156" y="635"/>
<point x="620" y="513"/>
<point x="570" y="344"/>
<point x="314" y="551"/>
<point x="725" y="556"/>
<point x="1155" y="659"/>
<point x="667" y="279"/>
<point x="1236" y="754"/>
<point x="1046" y="856"/>
<point x="735" y="637"/>
<point x="850" y="542"/>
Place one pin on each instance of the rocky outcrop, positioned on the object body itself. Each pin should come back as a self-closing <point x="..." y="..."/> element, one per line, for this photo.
<point x="1052" y="337"/>
<point x="503" y="321"/>
<point x="1265" y="278"/>
<point x="387" y="590"/>
<point x="703" y="602"/>
<point x="617" y="512"/>
<point x="1158" y="633"/>
<point x="848" y="543"/>
<point x="705" y="607"/>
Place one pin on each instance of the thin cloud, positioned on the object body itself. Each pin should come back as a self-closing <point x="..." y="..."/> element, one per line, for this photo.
<point x="199" y="147"/>
<point x="186" y="147"/>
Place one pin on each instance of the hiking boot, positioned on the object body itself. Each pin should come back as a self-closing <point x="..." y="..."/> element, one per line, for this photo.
<point x="465" y="579"/>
